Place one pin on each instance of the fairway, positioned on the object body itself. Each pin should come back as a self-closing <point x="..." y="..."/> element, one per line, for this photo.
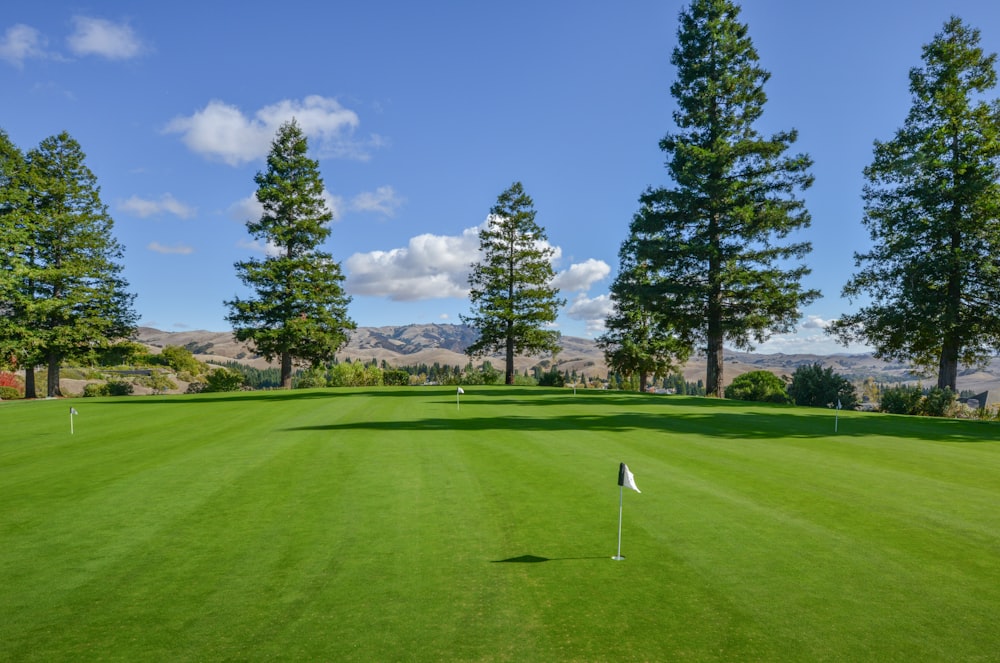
<point x="396" y="525"/>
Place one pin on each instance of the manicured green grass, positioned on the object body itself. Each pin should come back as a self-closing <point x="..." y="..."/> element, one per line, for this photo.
<point x="391" y="525"/>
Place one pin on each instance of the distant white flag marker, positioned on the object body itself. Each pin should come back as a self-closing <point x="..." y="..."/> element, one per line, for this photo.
<point x="458" y="395"/>
<point x="72" y="412"/>
<point x="461" y="391"/>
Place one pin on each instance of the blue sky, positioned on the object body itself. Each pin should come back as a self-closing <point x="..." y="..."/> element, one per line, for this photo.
<point x="421" y="114"/>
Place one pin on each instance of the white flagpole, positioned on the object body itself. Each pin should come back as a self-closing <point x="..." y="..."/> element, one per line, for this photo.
<point x="71" y="421"/>
<point x="836" y="419"/>
<point x="619" y="555"/>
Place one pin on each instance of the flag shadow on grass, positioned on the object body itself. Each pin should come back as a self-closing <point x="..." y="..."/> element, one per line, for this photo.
<point x="535" y="559"/>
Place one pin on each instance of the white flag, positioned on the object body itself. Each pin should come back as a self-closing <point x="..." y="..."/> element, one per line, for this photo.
<point x="72" y="410"/>
<point x="461" y="391"/>
<point x="626" y="479"/>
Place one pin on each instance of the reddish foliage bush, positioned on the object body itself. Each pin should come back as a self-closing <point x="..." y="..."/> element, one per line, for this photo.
<point x="11" y="380"/>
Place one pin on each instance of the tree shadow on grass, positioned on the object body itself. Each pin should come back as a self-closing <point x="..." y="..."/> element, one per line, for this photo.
<point x="720" y="422"/>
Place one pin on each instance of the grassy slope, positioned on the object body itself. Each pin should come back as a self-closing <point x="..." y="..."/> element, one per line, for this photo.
<point x="391" y="525"/>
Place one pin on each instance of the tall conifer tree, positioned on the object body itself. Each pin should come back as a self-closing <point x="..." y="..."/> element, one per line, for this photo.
<point x="932" y="207"/>
<point x="299" y="312"/>
<point x="714" y="242"/>
<point x="512" y="298"/>
<point x="71" y="297"/>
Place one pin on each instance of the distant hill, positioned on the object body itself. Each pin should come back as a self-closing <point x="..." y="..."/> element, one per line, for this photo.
<point x="445" y="344"/>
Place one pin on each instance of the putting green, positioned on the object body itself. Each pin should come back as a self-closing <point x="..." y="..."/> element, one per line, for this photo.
<point x="402" y="524"/>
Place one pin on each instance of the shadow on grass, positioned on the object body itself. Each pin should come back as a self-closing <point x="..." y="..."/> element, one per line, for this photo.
<point x="717" y="421"/>
<point x="535" y="559"/>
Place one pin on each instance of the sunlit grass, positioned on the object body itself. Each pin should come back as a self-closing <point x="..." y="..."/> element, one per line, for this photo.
<point x="395" y="525"/>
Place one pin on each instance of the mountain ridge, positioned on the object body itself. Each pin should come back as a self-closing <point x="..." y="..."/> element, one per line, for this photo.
<point x="442" y="343"/>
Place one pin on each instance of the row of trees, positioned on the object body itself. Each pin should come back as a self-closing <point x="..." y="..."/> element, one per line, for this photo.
<point x="711" y="260"/>
<point x="62" y="294"/>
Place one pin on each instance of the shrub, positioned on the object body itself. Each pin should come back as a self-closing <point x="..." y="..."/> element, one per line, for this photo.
<point x="758" y="386"/>
<point x="9" y="393"/>
<point x="94" y="390"/>
<point x="900" y="400"/>
<point x="119" y="388"/>
<point x="310" y="379"/>
<point x="937" y="403"/>
<point x="222" y="379"/>
<point x="552" y="379"/>
<point x="816" y="386"/>
<point x="195" y="388"/>
<point x="395" y="378"/>
<point x="11" y="381"/>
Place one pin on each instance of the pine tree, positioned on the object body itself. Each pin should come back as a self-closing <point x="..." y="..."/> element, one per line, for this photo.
<point x="13" y="240"/>
<point x="714" y="242"/>
<point x="299" y="313"/>
<point x="511" y="296"/>
<point x="70" y="298"/>
<point x="635" y="341"/>
<point x="932" y="208"/>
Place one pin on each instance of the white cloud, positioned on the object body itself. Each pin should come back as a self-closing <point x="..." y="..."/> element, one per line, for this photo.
<point x="222" y="131"/>
<point x="582" y="275"/>
<point x="144" y="207"/>
<point x="269" y="249"/>
<point x="593" y="311"/>
<point x="21" y="42"/>
<point x="248" y="208"/>
<point x="816" y="322"/>
<point x="96" y="36"/>
<point x="429" y="267"/>
<point x="383" y="200"/>
<point x="179" y="249"/>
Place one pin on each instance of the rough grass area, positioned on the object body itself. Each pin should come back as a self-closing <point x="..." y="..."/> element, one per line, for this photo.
<point x="378" y="525"/>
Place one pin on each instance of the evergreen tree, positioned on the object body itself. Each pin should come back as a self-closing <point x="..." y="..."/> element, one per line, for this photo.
<point x="13" y="240"/>
<point x="635" y="341"/>
<point x="299" y="312"/>
<point x="511" y="296"/>
<point x="67" y="297"/>
<point x="714" y="242"/>
<point x="932" y="208"/>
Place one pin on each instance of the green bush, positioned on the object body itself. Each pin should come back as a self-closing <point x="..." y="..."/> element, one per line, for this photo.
<point x="9" y="394"/>
<point x="119" y="388"/>
<point x="552" y="379"/>
<point x="938" y="403"/>
<point x="395" y="378"/>
<point x="95" y="390"/>
<point x="222" y="379"/>
<point x="816" y="386"/>
<point x="310" y="379"/>
<point x="900" y="400"/>
<point x="758" y="386"/>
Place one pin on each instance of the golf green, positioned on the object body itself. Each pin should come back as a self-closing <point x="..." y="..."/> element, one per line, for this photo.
<point x="417" y="524"/>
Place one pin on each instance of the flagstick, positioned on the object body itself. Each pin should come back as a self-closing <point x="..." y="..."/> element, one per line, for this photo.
<point x="836" y="421"/>
<point x="71" y="423"/>
<point x="619" y="555"/>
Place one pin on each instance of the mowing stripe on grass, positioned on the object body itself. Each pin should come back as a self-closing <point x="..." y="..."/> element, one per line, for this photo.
<point x="389" y="525"/>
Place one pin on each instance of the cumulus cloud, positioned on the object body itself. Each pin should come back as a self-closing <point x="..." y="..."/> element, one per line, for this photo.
<point x="222" y="131"/>
<point x="592" y="311"/>
<point x="429" y="267"/>
<point x="20" y="43"/>
<point x="384" y="200"/>
<point x="816" y="322"/>
<point x="179" y="249"/>
<point x="269" y="249"/>
<point x="144" y="207"/>
<point x="96" y="36"/>
<point x="248" y="208"/>
<point x="580" y="276"/>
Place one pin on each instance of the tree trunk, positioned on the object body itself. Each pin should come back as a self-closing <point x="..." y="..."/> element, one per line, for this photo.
<point x="29" y="382"/>
<point x="286" y="370"/>
<point x="52" y="386"/>
<point x="713" y="351"/>
<point x="643" y="377"/>
<point x="713" y="356"/>
<point x="509" y="368"/>
<point x="948" y="367"/>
